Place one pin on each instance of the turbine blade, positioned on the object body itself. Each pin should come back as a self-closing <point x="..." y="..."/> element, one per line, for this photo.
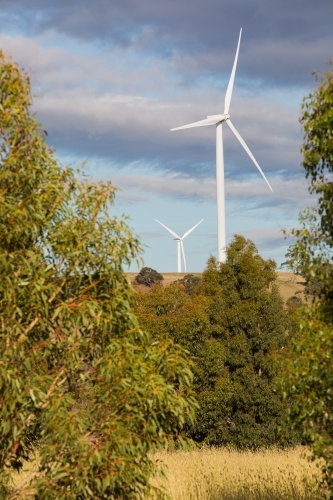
<point x="241" y="140"/>
<point x="183" y="252"/>
<point x="201" y="123"/>
<point x="228" y="94"/>
<point x="190" y="231"/>
<point x="173" y="234"/>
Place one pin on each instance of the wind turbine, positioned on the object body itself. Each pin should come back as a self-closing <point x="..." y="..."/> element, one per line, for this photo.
<point x="180" y="246"/>
<point x="218" y="120"/>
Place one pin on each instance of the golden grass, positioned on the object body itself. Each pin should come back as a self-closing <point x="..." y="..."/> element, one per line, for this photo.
<point x="288" y="283"/>
<point x="20" y="486"/>
<point x="219" y="474"/>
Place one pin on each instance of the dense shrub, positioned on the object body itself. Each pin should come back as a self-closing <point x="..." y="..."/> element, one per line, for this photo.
<point x="190" y="282"/>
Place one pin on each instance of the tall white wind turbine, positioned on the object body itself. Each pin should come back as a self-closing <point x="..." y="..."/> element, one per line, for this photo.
<point x="180" y="245"/>
<point x="218" y="120"/>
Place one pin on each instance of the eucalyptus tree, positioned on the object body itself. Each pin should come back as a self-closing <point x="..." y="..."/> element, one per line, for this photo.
<point x="80" y="382"/>
<point x="308" y="375"/>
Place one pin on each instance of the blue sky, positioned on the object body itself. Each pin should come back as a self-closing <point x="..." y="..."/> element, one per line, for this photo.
<point x="111" y="78"/>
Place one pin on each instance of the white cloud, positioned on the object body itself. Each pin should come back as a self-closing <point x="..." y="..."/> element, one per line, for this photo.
<point x="285" y="191"/>
<point x="103" y="107"/>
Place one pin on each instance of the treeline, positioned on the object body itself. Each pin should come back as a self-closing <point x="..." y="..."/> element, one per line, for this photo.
<point x="235" y="327"/>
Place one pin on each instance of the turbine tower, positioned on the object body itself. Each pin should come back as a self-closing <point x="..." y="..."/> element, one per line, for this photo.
<point x="180" y="246"/>
<point x="218" y="120"/>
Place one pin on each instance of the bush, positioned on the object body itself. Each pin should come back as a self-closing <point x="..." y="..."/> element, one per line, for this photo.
<point x="148" y="276"/>
<point x="190" y="282"/>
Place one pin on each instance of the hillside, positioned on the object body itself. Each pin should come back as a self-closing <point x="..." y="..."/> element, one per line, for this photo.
<point x="288" y="283"/>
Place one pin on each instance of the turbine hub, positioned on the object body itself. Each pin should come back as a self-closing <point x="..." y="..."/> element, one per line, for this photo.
<point x="219" y="118"/>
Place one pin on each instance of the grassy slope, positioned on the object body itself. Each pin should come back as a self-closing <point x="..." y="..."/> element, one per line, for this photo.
<point x="288" y="283"/>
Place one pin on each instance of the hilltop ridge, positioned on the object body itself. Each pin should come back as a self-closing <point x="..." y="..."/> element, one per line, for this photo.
<point x="287" y="282"/>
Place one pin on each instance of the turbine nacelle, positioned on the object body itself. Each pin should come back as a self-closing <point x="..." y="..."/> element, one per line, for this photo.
<point x="219" y="118"/>
<point x="210" y="120"/>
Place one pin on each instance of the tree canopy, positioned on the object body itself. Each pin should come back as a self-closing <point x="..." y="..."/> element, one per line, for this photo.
<point x="247" y="318"/>
<point x="79" y="380"/>
<point x="149" y="277"/>
<point x="234" y="325"/>
<point x="307" y="377"/>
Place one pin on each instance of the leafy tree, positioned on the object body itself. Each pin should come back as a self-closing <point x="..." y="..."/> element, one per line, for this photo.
<point x="292" y="263"/>
<point x="247" y="318"/>
<point x="79" y="380"/>
<point x="234" y="326"/>
<point x="308" y="372"/>
<point x="148" y="276"/>
<point x="190" y="282"/>
<point x="169" y="312"/>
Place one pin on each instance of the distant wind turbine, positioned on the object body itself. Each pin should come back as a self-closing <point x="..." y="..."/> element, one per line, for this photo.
<point x="180" y="246"/>
<point x="218" y="120"/>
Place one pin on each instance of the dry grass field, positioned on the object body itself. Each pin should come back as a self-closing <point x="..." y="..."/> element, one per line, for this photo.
<point x="219" y="474"/>
<point x="288" y="283"/>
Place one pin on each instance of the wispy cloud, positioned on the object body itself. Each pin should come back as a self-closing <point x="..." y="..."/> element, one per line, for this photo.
<point x="94" y="105"/>
<point x="286" y="192"/>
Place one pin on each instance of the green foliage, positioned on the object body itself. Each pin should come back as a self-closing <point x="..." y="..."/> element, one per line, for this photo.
<point x="148" y="276"/>
<point x="307" y="384"/>
<point x="294" y="301"/>
<point x="294" y="311"/>
<point x="169" y="311"/>
<point x="79" y="380"/>
<point x="247" y="317"/>
<point x="308" y="372"/>
<point x="234" y="326"/>
<point x="314" y="240"/>
<point x="190" y="282"/>
<point x="292" y="262"/>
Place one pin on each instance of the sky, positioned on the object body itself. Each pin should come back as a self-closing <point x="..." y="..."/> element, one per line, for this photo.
<point x="111" y="78"/>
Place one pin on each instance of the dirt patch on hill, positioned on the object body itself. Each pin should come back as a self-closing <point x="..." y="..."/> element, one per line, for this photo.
<point x="289" y="284"/>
